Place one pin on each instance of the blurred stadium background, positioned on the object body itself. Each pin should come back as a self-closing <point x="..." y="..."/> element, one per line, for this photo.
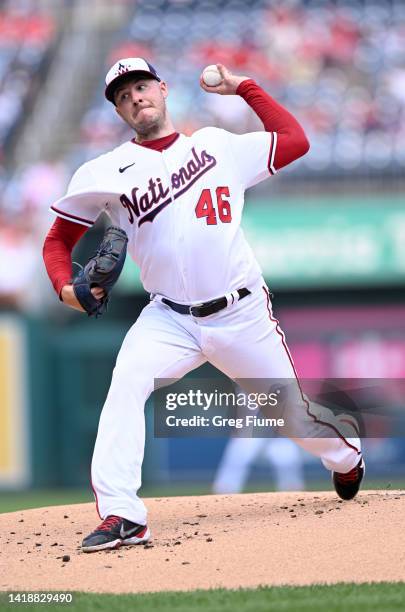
<point x="329" y="231"/>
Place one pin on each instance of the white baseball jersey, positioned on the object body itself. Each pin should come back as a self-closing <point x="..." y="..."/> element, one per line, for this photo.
<point x="181" y="208"/>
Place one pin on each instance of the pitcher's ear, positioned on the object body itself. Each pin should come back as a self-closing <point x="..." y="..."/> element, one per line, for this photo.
<point x="164" y="89"/>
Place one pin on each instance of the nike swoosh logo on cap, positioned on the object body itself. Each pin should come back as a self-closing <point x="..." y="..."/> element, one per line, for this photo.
<point x="121" y="170"/>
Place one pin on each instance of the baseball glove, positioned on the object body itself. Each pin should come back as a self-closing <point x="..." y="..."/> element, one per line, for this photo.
<point x="102" y="270"/>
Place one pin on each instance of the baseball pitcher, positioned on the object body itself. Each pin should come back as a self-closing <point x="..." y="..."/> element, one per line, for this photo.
<point x="175" y="202"/>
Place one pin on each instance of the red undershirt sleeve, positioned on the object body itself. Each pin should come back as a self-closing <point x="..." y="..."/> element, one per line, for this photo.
<point x="57" y="251"/>
<point x="292" y="142"/>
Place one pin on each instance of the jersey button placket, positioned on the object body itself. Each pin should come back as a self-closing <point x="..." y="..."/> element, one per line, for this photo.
<point x="177" y="230"/>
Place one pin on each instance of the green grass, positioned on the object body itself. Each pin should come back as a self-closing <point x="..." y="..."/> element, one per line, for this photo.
<point x="381" y="597"/>
<point x="11" y="501"/>
<point x="39" y="498"/>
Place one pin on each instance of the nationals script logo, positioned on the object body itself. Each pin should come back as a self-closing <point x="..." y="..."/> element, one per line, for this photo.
<point x="158" y="196"/>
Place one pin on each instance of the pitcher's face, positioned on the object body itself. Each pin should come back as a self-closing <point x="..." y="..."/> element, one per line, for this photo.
<point x="141" y="102"/>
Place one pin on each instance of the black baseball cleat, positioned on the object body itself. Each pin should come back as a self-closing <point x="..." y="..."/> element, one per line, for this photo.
<point x="347" y="485"/>
<point x="114" y="532"/>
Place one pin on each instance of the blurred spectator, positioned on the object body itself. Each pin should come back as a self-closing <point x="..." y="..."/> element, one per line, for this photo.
<point x="24" y="222"/>
<point x="26" y="37"/>
<point x="39" y="185"/>
<point x="19" y="260"/>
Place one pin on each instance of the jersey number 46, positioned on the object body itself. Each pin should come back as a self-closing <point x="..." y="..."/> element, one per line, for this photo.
<point x="205" y="207"/>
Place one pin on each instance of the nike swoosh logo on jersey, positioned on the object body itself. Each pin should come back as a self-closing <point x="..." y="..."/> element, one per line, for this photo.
<point x="126" y="533"/>
<point x="121" y="170"/>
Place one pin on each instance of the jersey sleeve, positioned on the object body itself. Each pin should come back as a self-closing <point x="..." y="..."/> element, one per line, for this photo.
<point x="83" y="201"/>
<point x="254" y="156"/>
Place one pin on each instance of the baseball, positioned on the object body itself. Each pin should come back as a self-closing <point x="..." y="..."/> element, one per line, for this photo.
<point x="211" y="76"/>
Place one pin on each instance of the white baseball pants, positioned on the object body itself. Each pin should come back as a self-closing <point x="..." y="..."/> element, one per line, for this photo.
<point x="244" y="341"/>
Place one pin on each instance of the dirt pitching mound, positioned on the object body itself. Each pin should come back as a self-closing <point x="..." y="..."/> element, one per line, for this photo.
<point x="211" y="541"/>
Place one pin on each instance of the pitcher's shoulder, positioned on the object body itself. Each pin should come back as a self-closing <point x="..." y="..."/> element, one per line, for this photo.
<point x="109" y="158"/>
<point x="210" y="134"/>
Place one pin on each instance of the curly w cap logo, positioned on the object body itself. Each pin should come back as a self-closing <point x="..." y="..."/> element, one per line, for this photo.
<point x="122" y="69"/>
